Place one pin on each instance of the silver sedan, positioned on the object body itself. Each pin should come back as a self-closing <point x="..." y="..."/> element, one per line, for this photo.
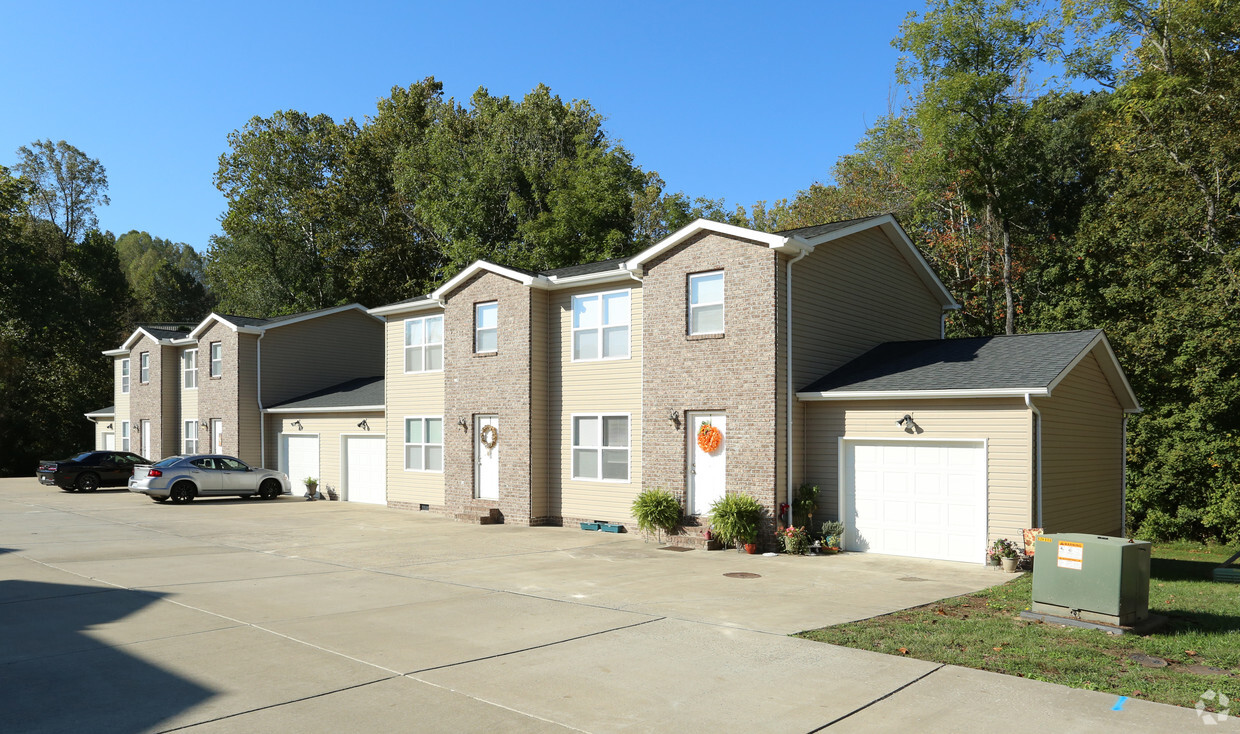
<point x="182" y="478"/>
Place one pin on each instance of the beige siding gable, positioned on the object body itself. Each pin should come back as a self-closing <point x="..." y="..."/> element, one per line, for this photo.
<point x="419" y="394"/>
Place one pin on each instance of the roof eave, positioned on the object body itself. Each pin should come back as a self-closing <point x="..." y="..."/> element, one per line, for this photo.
<point x="1012" y="392"/>
<point x="335" y="409"/>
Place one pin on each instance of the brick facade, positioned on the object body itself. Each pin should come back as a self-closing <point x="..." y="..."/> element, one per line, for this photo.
<point x="734" y="373"/>
<point x="146" y="399"/>
<point x="218" y="396"/>
<point x="481" y="384"/>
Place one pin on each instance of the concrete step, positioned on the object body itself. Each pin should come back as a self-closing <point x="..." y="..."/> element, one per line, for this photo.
<point x="477" y="513"/>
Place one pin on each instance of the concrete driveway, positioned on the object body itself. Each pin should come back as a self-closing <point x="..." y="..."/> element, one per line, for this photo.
<point x="120" y="615"/>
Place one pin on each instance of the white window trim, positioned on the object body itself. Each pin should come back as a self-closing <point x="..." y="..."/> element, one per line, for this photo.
<point x="124" y="436"/>
<point x="572" y="447"/>
<point x="404" y="336"/>
<point x="690" y="305"/>
<point x="189" y="366"/>
<point x="144" y="368"/>
<point x="214" y="371"/>
<point x="572" y="342"/>
<point x="125" y="376"/>
<point x="478" y="329"/>
<point x="186" y="425"/>
<point x="404" y="427"/>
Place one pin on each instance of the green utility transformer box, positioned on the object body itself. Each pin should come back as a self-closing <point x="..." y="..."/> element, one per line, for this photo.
<point x="1092" y="577"/>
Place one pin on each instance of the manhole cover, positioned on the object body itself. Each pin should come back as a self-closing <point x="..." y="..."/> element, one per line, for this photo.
<point x="743" y="575"/>
<point x="676" y="548"/>
<point x="1205" y="670"/>
<point x="911" y="578"/>
<point x="1148" y="661"/>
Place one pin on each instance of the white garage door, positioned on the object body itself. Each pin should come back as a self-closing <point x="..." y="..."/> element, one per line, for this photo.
<point x="365" y="476"/>
<point x="916" y="498"/>
<point x="299" y="458"/>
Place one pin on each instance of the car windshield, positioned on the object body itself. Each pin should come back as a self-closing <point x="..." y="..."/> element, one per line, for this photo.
<point x="168" y="461"/>
<point x="83" y="456"/>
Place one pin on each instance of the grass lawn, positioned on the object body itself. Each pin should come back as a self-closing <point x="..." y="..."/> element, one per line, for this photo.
<point x="984" y="631"/>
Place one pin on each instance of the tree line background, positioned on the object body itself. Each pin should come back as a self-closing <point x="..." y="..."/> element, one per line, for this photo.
<point x="1062" y="166"/>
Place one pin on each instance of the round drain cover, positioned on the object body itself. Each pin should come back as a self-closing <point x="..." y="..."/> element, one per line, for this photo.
<point x="743" y="575"/>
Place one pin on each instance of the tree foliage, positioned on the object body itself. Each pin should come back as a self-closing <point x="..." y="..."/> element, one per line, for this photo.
<point x="67" y="185"/>
<point x="165" y="278"/>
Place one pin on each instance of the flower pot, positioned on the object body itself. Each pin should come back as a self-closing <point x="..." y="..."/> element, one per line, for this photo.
<point x="1009" y="565"/>
<point x="751" y="548"/>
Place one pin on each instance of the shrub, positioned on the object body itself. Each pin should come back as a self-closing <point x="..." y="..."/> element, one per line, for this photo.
<point x="656" y="510"/>
<point x="794" y="540"/>
<point x="735" y="518"/>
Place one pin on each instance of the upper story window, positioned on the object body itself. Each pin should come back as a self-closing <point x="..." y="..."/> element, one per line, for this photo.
<point x="601" y="326"/>
<point x="217" y="359"/>
<point x="601" y="447"/>
<point x="189" y="368"/>
<point x="486" y="327"/>
<point x="424" y="344"/>
<point x="706" y="303"/>
<point x="144" y="367"/>
<point x="124" y="375"/>
<point x="424" y="444"/>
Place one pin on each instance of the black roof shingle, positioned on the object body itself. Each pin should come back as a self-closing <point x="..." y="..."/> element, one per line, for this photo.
<point x="361" y="392"/>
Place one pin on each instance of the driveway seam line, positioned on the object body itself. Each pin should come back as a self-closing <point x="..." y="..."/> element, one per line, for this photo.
<point x="883" y="697"/>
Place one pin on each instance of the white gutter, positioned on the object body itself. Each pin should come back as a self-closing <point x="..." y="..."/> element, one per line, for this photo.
<point x="262" y="422"/>
<point x="341" y="409"/>
<point x="1037" y="438"/>
<point x="788" y="378"/>
<point x="911" y="394"/>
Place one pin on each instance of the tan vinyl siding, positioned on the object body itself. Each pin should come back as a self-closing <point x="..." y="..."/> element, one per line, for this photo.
<point x="1004" y="423"/>
<point x="1083" y="453"/>
<point x="417" y="394"/>
<point x="189" y="406"/>
<point x="539" y="408"/>
<point x="320" y="352"/>
<point x="170" y="400"/>
<point x="119" y="399"/>
<point x="101" y="428"/>
<point x="249" y="443"/>
<point x="592" y="387"/>
<point x="330" y="428"/>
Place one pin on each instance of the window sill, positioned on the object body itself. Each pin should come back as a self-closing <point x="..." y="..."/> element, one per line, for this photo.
<point x="486" y="354"/>
<point x="702" y="337"/>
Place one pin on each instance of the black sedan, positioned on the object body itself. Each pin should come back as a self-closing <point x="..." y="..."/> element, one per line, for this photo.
<point x="90" y="470"/>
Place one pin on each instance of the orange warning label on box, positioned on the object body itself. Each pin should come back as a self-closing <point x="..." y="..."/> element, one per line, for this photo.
<point x="1071" y="555"/>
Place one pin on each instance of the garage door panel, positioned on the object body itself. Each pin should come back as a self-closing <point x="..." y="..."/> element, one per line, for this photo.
<point x="365" y="470"/>
<point x="299" y="458"/>
<point x="917" y="499"/>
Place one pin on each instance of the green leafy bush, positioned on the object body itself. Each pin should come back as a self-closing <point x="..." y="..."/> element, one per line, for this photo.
<point x="735" y="518"/>
<point x="656" y="510"/>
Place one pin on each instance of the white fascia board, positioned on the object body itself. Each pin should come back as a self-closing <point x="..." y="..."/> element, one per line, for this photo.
<point x="773" y="241"/>
<point x="398" y="308"/>
<point x="138" y="334"/>
<point x="897" y="234"/>
<point x="343" y="409"/>
<point x="921" y="394"/>
<point x="99" y="415"/>
<point x="115" y="352"/>
<point x="206" y="324"/>
<point x="1115" y="376"/>
<point x="606" y="276"/>
<point x="533" y="281"/>
<point x="315" y="315"/>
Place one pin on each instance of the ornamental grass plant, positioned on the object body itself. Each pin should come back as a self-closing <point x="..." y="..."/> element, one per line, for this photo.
<point x="656" y="511"/>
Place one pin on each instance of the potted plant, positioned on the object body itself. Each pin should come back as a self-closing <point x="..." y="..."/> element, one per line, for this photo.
<point x="794" y="540"/>
<point x="656" y="510"/>
<point x="805" y="503"/>
<point x="1007" y="554"/>
<point x="312" y="487"/>
<point x="736" y="518"/>
<point x="832" y="536"/>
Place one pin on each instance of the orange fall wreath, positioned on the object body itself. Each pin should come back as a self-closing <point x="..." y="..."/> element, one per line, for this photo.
<point x="709" y="437"/>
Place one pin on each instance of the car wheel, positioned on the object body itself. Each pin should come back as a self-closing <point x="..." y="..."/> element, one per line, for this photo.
<point x="70" y="488"/>
<point x="88" y="482"/>
<point x="269" y="489"/>
<point x="183" y="492"/>
<point x="158" y="499"/>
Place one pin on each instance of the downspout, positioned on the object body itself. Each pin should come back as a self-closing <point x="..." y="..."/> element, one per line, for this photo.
<point x="262" y="420"/>
<point x="788" y="378"/>
<point x="1037" y="455"/>
<point x="1123" y="481"/>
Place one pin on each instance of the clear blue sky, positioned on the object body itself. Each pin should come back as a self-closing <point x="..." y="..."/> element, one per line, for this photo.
<point x="744" y="101"/>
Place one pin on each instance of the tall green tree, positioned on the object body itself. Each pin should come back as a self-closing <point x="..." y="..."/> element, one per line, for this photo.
<point x="67" y="185"/>
<point x="166" y="279"/>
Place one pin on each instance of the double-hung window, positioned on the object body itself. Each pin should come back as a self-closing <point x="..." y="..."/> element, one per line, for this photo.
<point x="424" y="344"/>
<point x="125" y="434"/>
<point x="424" y="444"/>
<point x="486" y="327"/>
<point x="124" y="375"/>
<point x="217" y="359"/>
<point x="144" y="367"/>
<point x="189" y="368"/>
<point x="191" y="437"/>
<point x="601" y="326"/>
<point x="706" y="303"/>
<point x="601" y="447"/>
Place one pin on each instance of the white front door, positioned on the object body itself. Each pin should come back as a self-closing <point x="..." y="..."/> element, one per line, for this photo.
<point x="915" y="498"/>
<point x="217" y="436"/>
<point x="707" y="471"/>
<point x="364" y="470"/>
<point x="486" y="460"/>
<point x="299" y="458"/>
<point x="145" y="427"/>
<point x="109" y="441"/>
